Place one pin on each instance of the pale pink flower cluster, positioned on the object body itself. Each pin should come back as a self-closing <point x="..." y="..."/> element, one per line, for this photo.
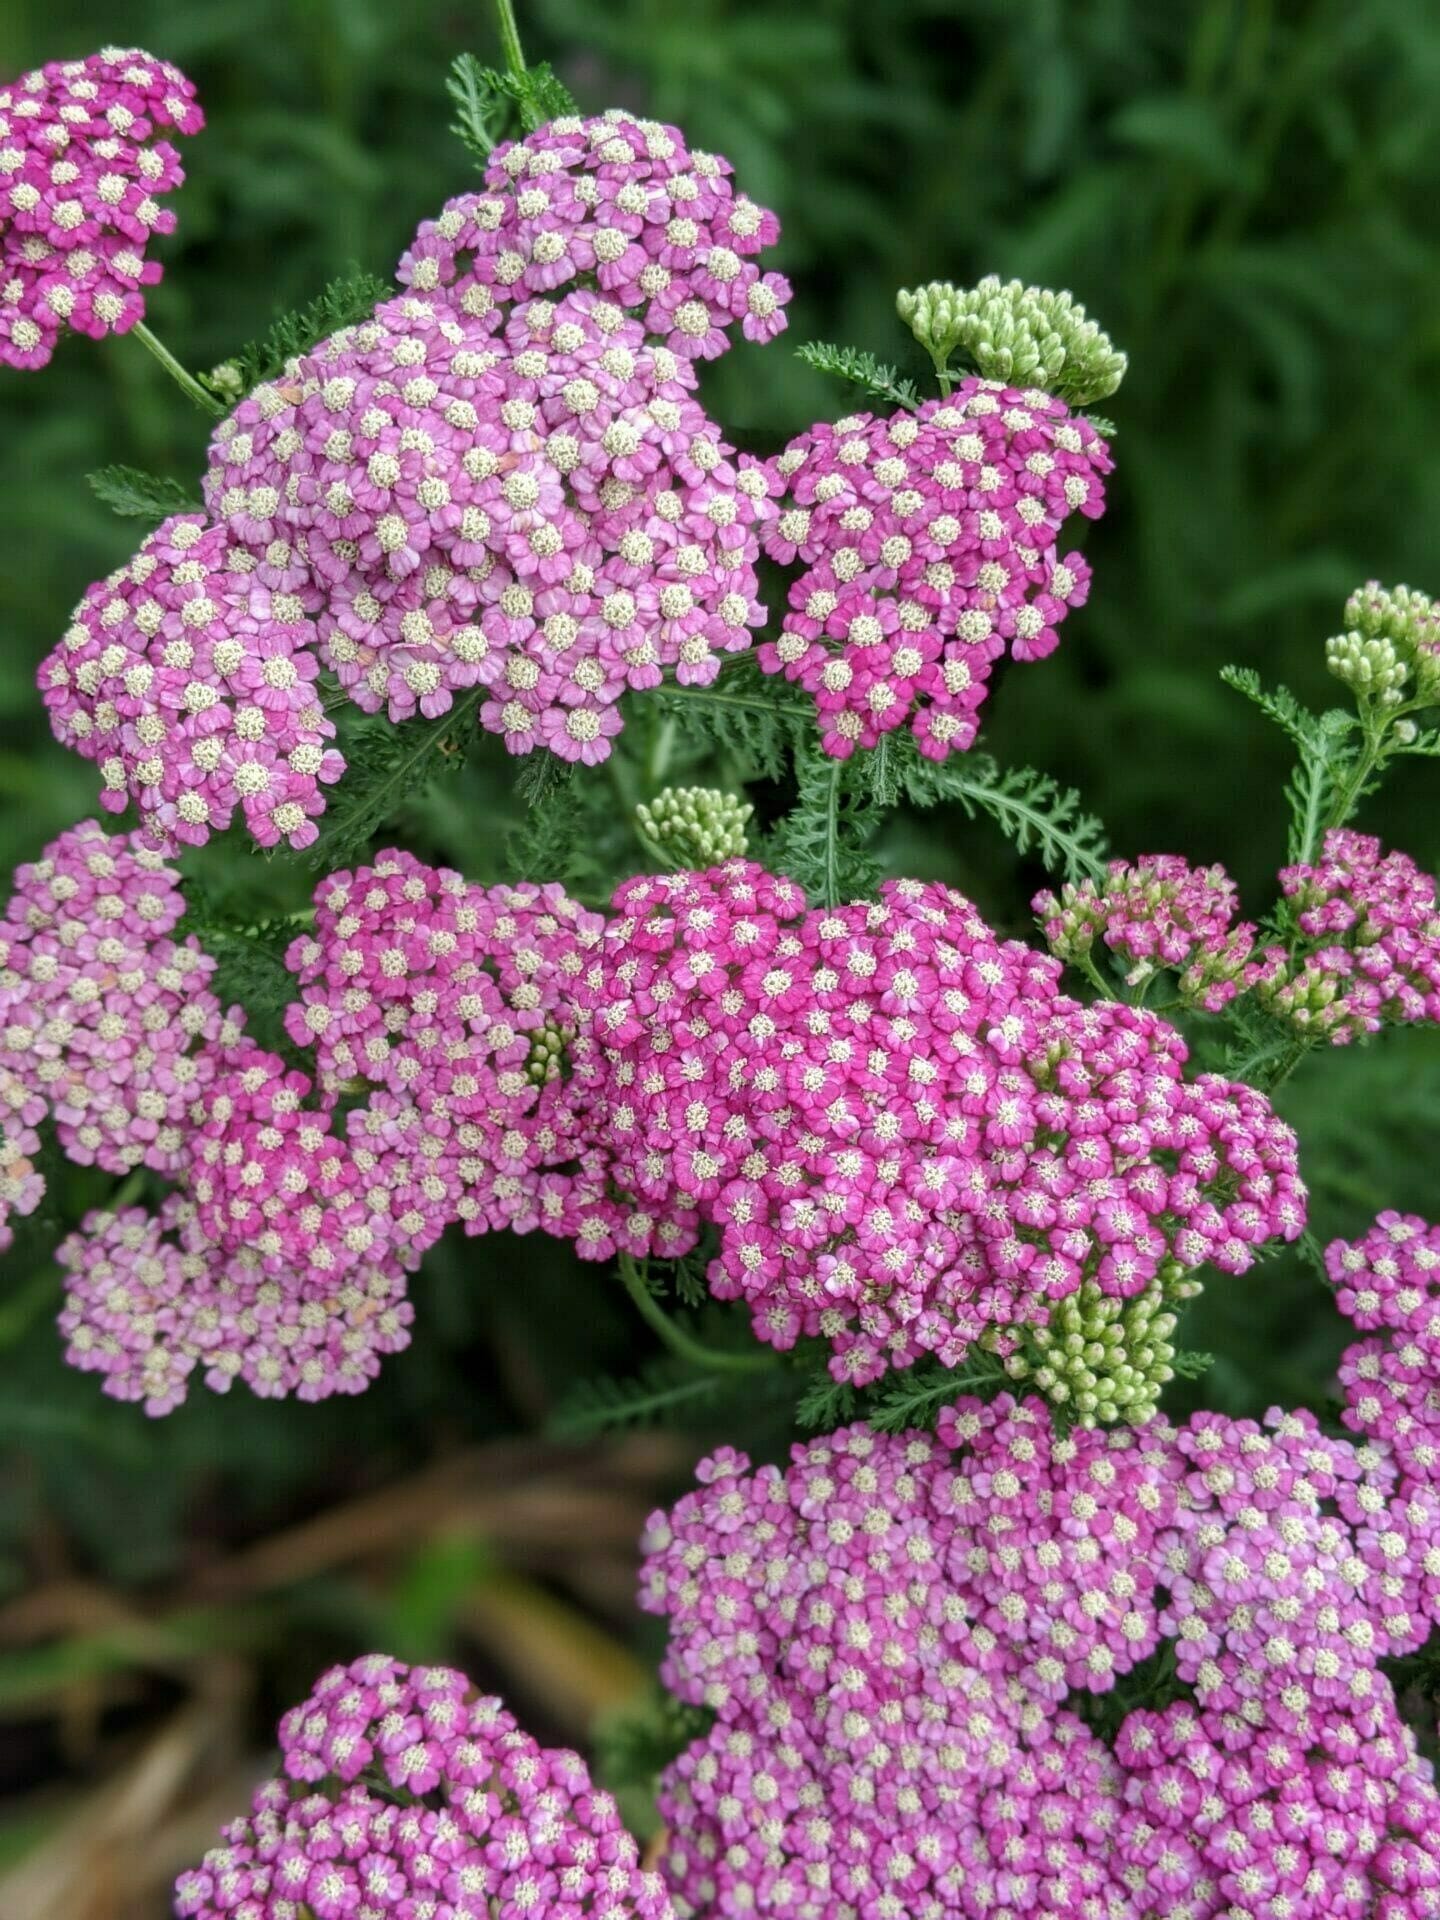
<point x="927" y="543"/>
<point x="546" y="514"/>
<point x="82" y="172"/>
<point x="107" y="1022"/>
<point x="615" y="203"/>
<point x="192" y="683"/>
<point x="406" y="1795"/>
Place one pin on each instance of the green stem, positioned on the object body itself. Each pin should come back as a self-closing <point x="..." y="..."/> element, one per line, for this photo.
<point x="182" y="377"/>
<point x="678" y="1341"/>
<point x="1371" y="754"/>
<point x="510" y="38"/>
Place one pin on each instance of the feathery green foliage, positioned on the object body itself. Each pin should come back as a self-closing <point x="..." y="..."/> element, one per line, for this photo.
<point x="343" y="302"/>
<point x="863" y="370"/>
<point x="472" y="96"/>
<point x="136" y="495"/>
<point x="1032" y="809"/>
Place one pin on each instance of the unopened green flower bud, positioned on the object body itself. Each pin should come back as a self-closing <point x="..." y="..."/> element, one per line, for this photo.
<point x="696" y="826"/>
<point x="1390" y="650"/>
<point x="1024" y="336"/>
<point x="226" y="381"/>
<point x="1105" y="1358"/>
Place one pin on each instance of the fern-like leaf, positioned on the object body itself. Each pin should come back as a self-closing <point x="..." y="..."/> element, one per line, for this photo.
<point x="743" y="716"/>
<point x="385" y="765"/>
<point x="862" y="370"/>
<point x="666" y="1389"/>
<point x="1031" y="808"/>
<point x="823" y="842"/>
<point x="1324" y="756"/>
<point x="472" y="96"/>
<point x="135" y="495"/>
<point x="538" y="94"/>
<point x="342" y="303"/>
<point x="826" y="1404"/>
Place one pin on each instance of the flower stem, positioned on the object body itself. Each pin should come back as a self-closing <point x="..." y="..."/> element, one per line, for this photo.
<point x="510" y="38"/>
<point x="183" y="379"/>
<point x="675" y="1338"/>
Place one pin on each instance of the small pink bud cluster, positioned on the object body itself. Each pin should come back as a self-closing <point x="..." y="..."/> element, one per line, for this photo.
<point x="405" y="1795"/>
<point x="615" y="203"/>
<point x="1388" y="1283"/>
<point x="1370" y="951"/>
<point x="908" y="1137"/>
<point x="547" y="515"/>
<point x="901" y="1638"/>
<point x="81" y="175"/>
<point x="1156" y="914"/>
<point x="192" y="683"/>
<point x="107" y="1023"/>
<point x="928" y="543"/>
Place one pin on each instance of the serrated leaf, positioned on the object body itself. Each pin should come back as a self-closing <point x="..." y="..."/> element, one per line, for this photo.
<point x="343" y="302"/>
<point x="666" y="1389"/>
<point x="136" y="495"/>
<point x="1031" y="808"/>
<point x="823" y="843"/>
<point x="863" y="370"/>
<point x="468" y="85"/>
<point x="385" y="764"/>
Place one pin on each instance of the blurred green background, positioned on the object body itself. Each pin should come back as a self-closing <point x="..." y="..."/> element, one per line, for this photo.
<point x="1245" y="193"/>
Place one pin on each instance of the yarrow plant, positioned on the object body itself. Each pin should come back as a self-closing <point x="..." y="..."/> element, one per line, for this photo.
<point x="1018" y="1634"/>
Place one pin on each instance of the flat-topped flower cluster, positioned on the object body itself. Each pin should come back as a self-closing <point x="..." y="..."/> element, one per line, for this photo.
<point x="622" y="204"/>
<point x="903" y="1639"/>
<point x="908" y="1140"/>
<point x="404" y="1792"/>
<point x="82" y="172"/>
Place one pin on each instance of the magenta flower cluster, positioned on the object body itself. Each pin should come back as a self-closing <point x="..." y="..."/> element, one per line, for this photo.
<point x="903" y="1639"/>
<point x="452" y="1005"/>
<point x="928" y="550"/>
<point x="618" y="204"/>
<point x="545" y="514"/>
<point x="108" y="1024"/>
<point x="908" y="1138"/>
<point x="1156" y="914"/>
<point x="1369" y="952"/>
<point x="82" y="171"/>
<point x="1388" y="1283"/>
<point x="406" y="1795"/>
<point x="192" y="683"/>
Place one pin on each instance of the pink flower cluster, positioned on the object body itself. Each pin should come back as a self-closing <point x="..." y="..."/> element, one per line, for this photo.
<point x="1363" y="951"/>
<point x="907" y="1136"/>
<point x="615" y="203"/>
<point x="107" y="1023"/>
<point x="452" y="1006"/>
<point x="192" y="683"/>
<point x="928" y="543"/>
<point x="151" y="1297"/>
<point x="1156" y="913"/>
<point x="1372" y="925"/>
<point x="81" y="175"/>
<point x="405" y="1795"/>
<point x="902" y="1639"/>
<point x="545" y="514"/>
<point x="1388" y="1283"/>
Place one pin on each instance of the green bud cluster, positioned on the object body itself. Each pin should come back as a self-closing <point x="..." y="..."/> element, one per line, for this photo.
<point x="696" y="826"/>
<point x="1024" y="336"/>
<point x="1389" y="653"/>
<point x="1102" y="1359"/>
<point x="227" y="382"/>
<point x="546" y="1060"/>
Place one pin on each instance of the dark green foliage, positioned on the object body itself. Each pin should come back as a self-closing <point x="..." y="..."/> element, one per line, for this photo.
<point x="666" y="1391"/>
<point x="387" y="765"/>
<point x="142" y="496"/>
<point x="471" y="95"/>
<point x="352" y="297"/>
